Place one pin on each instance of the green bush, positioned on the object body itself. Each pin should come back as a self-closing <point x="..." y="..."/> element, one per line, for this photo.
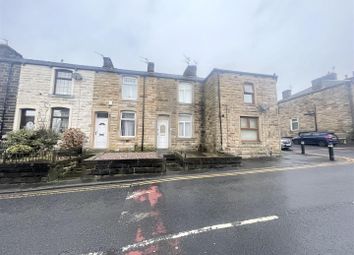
<point x="40" y="139"/>
<point x="19" y="149"/>
<point x="73" y="139"/>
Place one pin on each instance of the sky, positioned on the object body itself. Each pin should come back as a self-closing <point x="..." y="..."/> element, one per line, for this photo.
<point x="299" y="40"/>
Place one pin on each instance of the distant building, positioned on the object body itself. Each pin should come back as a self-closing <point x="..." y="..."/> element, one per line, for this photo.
<point x="325" y="106"/>
<point x="230" y="111"/>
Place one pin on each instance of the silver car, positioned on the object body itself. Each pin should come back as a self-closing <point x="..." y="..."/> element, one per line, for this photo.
<point x="285" y="143"/>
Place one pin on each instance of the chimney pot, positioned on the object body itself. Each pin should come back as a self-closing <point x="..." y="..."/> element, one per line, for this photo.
<point x="286" y="94"/>
<point x="150" y="67"/>
<point x="191" y="71"/>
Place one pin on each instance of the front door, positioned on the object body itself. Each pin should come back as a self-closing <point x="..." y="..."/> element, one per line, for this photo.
<point x="162" y="133"/>
<point x="101" y="130"/>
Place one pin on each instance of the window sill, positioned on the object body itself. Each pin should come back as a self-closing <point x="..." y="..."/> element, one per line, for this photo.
<point x="185" y="138"/>
<point x="129" y="100"/>
<point x="251" y="142"/>
<point x="62" y="96"/>
<point x="184" y="103"/>
<point x="127" y="138"/>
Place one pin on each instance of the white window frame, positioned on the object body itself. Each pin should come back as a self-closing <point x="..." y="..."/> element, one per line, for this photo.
<point x="183" y="89"/>
<point x="184" y="125"/>
<point x="128" y="85"/>
<point x="292" y="120"/>
<point x="121" y="119"/>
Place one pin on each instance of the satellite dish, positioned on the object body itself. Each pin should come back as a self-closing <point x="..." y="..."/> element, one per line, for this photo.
<point x="77" y="76"/>
<point x="263" y="107"/>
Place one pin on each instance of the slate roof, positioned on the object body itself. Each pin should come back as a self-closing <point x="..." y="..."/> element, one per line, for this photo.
<point x="326" y="85"/>
<point x="129" y="72"/>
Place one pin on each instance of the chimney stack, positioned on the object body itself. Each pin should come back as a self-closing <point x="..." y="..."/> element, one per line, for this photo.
<point x="107" y="63"/>
<point x="7" y="52"/>
<point x="150" y="67"/>
<point x="191" y="71"/>
<point x="320" y="83"/>
<point x="286" y="94"/>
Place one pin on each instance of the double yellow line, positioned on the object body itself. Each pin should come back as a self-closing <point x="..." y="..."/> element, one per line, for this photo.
<point x="59" y="191"/>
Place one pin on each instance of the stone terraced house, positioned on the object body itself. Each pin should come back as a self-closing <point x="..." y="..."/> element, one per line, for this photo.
<point x="325" y="106"/>
<point x="118" y="110"/>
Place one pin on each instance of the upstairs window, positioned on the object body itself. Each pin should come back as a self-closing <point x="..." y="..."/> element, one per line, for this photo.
<point x="185" y="93"/>
<point x="294" y="124"/>
<point x="185" y="126"/>
<point x="63" y="82"/>
<point x="127" y="124"/>
<point x="60" y="119"/>
<point x="27" y="118"/>
<point x="248" y="93"/>
<point x="249" y="129"/>
<point x="129" y="88"/>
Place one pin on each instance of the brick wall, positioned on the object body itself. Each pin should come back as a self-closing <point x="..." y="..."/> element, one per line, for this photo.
<point x="36" y="91"/>
<point x="333" y="109"/>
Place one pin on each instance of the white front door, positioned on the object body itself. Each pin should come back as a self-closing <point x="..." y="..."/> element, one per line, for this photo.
<point x="162" y="133"/>
<point x="101" y="131"/>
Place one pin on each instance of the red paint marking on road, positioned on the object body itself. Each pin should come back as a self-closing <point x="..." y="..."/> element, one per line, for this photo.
<point x="152" y="195"/>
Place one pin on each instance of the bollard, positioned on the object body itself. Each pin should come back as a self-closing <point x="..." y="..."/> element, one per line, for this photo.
<point x="302" y="147"/>
<point x="331" y="151"/>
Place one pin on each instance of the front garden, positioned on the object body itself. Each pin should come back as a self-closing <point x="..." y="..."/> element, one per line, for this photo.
<point x="40" y="155"/>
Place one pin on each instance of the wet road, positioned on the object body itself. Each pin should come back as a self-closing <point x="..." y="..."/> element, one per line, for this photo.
<point x="309" y="210"/>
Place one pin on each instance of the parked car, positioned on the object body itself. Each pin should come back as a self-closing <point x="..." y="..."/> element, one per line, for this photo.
<point x="285" y="143"/>
<point x="316" y="138"/>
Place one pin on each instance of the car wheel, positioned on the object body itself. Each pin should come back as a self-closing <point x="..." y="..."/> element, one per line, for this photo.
<point x="322" y="144"/>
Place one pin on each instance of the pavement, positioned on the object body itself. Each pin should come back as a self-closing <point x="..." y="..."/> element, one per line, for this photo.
<point x="288" y="158"/>
<point x="278" y="209"/>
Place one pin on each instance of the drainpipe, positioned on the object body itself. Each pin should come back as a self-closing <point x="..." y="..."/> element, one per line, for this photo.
<point x="220" y="121"/>
<point x="143" y="118"/>
<point x="5" y="99"/>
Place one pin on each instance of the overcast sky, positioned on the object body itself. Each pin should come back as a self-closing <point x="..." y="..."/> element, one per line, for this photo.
<point x="299" y="40"/>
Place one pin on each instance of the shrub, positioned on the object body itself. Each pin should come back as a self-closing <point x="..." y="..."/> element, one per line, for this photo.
<point x="40" y="139"/>
<point x="45" y="139"/>
<point x="19" y="149"/>
<point x="73" y="138"/>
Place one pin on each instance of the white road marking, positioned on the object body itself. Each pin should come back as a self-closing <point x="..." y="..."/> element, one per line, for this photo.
<point x="198" y="231"/>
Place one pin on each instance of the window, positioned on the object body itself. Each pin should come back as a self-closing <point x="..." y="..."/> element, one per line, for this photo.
<point x="129" y="88"/>
<point x="27" y="118"/>
<point x="249" y="129"/>
<point x="248" y="93"/>
<point x="185" y="126"/>
<point x="60" y="119"/>
<point x="63" y="82"/>
<point x="185" y="93"/>
<point x="127" y="124"/>
<point x="294" y="124"/>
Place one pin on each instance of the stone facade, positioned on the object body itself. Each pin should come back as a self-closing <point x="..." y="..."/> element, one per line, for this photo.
<point x="35" y="91"/>
<point x="9" y="79"/>
<point x="332" y="103"/>
<point x="161" y="99"/>
<point x="213" y="111"/>
<point x="225" y="134"/>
